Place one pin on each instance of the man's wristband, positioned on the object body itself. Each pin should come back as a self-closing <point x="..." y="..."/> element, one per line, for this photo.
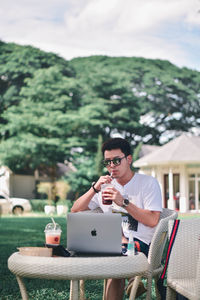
<point x="93" y="184"/>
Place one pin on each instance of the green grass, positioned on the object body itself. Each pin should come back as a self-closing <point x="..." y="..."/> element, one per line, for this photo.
<point x="29" y="231"/>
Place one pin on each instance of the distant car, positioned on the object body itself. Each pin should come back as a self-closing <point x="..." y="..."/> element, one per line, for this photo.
<point x="14" y="205"/>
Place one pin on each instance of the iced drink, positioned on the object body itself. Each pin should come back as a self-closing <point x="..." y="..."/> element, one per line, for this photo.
<point x="52" y="234"/>
<point x="103" y="188"/>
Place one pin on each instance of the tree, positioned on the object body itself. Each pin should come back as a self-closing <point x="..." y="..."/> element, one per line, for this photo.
<point x="40" y="129"/>
<point x="165" y="97"/>
<point x="171" y="99"/>
<point x="18" y="63"/>
<point x="109" y="92"/>
<point x="52" y="110"/>
<point x="99" y="157"/>
<point x="89" y="169"/>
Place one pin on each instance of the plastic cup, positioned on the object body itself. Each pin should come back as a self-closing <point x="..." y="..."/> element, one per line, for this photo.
<point x="52" y="234"/>
<point x="103" y="188"/>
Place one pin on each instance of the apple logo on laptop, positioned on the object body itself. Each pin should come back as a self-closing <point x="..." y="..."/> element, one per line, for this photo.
<point x="93" y="232"/>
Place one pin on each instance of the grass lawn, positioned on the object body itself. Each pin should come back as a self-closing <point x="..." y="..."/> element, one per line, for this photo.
<point x="29" y="231"/>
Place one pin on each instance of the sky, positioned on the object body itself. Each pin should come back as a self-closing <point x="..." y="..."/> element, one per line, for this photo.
<point x="156" y="29"/>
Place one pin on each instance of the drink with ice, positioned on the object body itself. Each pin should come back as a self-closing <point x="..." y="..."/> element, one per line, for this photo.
<point x="104" y="187"/>
<point x="52" y="234"/>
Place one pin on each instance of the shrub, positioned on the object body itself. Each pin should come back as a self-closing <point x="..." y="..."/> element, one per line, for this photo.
<point x="38" y="205"/>
<point x="61" y="189"/>
<point x="65" y="202"/>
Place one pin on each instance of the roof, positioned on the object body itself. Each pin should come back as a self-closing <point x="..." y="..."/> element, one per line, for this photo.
<point x="63" y="169"/>
<point x="146" y="149"/>
<point x="182" y="150"/>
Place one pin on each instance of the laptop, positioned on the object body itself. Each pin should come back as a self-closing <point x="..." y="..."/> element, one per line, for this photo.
<point x="94" y="233"/>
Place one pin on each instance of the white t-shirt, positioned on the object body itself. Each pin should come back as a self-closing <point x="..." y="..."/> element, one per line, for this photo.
<point x="142" y="190"/>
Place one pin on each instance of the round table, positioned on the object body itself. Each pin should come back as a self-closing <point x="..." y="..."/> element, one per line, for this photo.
<point x="75" y="269"/>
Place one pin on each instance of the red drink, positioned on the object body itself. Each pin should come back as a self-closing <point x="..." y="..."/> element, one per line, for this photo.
<point x="106" y="202"/>
<point x="104" y="187"/>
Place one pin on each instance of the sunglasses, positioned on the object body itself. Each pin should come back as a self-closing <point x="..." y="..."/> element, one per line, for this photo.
<point x="116" y="161"/>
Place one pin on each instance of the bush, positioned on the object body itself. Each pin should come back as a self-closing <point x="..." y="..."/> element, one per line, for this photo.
<point x="62" y="202"/>
<point x="69" y="204"/>
<point x="65" y="202"/>
<point x="61" y="189"/>
<point x="38" y="205"/>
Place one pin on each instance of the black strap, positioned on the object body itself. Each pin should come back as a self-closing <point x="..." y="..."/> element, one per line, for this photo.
<point x="96" y="191"/>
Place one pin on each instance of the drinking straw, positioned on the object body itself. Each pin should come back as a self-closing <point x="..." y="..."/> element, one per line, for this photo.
<point x="54" y="223"/>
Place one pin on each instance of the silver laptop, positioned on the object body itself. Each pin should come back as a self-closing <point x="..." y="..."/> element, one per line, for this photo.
<point x="95" y="233"/>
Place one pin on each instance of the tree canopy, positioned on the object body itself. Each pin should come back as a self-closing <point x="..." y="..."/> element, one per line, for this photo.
<point x="52" y="110"/>
<point x="165" y="97"/>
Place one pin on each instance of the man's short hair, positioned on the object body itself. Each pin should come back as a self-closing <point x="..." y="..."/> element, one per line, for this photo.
<point x="117" y="143"/>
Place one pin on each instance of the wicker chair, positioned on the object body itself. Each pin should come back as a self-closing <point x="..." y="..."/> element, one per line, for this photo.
<point x="155" y="254"/>
<point x="183" y="275"/>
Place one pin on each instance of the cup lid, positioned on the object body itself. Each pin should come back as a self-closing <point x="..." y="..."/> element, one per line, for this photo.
<point x="52" y="227"/>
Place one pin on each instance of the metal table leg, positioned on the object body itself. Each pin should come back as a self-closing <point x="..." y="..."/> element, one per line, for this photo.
<point x="22" y="288"/>
<point x="74" y="290"/>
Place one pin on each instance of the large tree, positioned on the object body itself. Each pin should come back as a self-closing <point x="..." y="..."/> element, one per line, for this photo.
<point x="41" y="130"/>
<point x="165" y="96"/>
<point x="18" y="63"/>
<point x="52" y="110"/>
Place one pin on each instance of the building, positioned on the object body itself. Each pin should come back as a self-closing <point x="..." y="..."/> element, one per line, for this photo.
<point x="25" y="186"/>
<point x="176" y="165"/>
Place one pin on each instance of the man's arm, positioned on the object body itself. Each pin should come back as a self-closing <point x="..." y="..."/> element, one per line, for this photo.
<point x="82" y="202"/>
<point x="145" y="216"/>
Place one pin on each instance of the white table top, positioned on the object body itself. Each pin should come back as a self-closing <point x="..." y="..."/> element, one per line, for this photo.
<point x="75" y="268"/>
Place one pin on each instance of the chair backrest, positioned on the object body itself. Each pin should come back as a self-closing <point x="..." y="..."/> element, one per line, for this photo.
<point x="185" y="254"/>
<point x="159" y="239"/>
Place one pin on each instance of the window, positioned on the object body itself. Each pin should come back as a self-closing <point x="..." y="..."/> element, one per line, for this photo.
<point x="194" y="191"/>
<point x="176" y="189"/>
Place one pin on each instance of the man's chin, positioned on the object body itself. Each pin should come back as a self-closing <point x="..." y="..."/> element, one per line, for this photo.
<point x="115" y="176"/>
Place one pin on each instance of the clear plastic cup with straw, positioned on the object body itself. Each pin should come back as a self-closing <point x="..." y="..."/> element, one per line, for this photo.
<point x="104" y="187"/>
<point x="52" y="233"/>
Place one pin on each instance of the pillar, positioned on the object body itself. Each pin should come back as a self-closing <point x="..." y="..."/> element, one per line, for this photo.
<point x="171" y="203"/>
<point x="183" y="203"/>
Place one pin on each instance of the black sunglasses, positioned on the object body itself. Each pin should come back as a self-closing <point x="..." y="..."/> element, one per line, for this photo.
<point x="116" y="161"/>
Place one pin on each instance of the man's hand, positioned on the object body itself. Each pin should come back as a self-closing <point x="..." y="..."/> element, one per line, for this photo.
<point x="102" y="180"/>
<point x="112" y="194"/>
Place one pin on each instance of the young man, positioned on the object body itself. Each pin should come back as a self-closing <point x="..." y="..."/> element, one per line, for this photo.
<point x="136" y="194"/>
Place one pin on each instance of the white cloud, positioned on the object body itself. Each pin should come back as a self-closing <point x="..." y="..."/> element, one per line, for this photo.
<point x="149" y="28"/>
<point x="133" y="16"/>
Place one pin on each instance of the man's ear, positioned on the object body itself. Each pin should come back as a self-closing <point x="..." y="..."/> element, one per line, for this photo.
<point x="129" y="159"/>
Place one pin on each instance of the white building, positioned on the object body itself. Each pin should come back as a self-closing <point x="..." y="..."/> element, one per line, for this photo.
<point x="15" y="185"/>
<point x="24" y="186"/>
<point x="176" y="165"/>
